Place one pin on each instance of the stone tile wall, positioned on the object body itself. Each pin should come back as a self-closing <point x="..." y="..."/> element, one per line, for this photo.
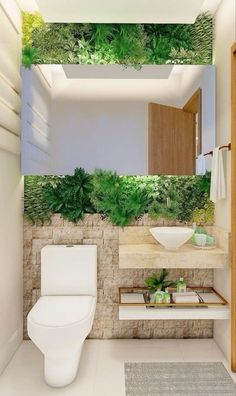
<point x="94" y="230"/>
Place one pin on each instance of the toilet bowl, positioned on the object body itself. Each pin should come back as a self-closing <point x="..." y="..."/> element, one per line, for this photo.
<point x="63" y="316"/>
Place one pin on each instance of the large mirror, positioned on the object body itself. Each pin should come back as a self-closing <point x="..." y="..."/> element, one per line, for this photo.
<point x="155" y="120"/>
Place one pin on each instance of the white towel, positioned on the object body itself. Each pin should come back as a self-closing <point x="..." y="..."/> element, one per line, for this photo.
<point x="201" y="165"/>
<point x="188" y="297"/>
<point x="218" y="190"/>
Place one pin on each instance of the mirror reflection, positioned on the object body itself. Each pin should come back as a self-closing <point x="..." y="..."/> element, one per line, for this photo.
<point x="156" y="120"/>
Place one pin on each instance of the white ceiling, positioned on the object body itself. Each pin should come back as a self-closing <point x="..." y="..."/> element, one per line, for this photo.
<point x="115" y="90"/>
<point x="117" y="72"/>
<point x="141" y="89"/>
<point x="28" y="5"/>
<point x="211" y="5"/>
<point x="126" y="11"/>
<point x="121" y="11"/>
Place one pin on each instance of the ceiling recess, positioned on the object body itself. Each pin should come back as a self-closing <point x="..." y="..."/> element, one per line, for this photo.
<point x="121" y="11"/>
<point x="117" y="72"/>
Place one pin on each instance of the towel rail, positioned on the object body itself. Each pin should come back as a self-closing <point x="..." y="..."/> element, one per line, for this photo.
<point x="227" y="146"/>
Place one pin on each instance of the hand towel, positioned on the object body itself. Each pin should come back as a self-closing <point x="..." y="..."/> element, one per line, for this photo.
<point x="201" y="165"/>
<point x="218" y="190"/>
<point x="188" y="297"/>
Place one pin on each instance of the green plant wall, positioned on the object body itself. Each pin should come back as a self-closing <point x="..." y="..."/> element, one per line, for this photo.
<point x="120" y="199"/>
<point x="126" y="44"/>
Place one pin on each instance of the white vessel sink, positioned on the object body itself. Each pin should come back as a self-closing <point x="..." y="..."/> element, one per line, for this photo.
<point x="172" y="237"/>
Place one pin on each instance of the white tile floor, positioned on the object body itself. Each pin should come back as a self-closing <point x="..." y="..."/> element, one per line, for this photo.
<point x="101" y="371"/>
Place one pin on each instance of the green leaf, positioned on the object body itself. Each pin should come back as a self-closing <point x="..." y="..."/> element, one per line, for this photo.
<point x="126" y="44"/>
<point x="121" y="199"/>
<point x="158" y="281"/>
<point x="29" y="56"/>
<point x="71" y="197"/>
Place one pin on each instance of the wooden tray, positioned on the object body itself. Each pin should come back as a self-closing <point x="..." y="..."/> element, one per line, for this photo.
<point x="141" y="293"/>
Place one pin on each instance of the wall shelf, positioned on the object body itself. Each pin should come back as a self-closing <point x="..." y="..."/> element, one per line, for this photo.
<point x="143" y="313"/>
<point x="134" y="306"/>
<point x="155" y="256"/>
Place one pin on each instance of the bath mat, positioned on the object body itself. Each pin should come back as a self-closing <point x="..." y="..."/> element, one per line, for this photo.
<point x="178" y="379"/>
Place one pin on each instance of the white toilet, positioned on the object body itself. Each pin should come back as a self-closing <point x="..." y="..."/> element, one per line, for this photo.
<point x="63" y="316"/>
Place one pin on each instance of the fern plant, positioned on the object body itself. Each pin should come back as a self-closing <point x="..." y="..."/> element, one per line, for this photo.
<point x="71" y="196"/>
<point x="30" y="56"/>
<point x="36" y="209"/>
<point x="120" y="202"/>
<point x="159" y="210"/>
<point x="159" y="281"/>
<point x="200" y="46"/>
<point x="202" y="32"/>
<point x="183" y="56"/>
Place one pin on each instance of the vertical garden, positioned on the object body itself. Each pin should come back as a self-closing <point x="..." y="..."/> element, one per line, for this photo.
<point x="119" y="199"/>
<point x="126" y="44"/>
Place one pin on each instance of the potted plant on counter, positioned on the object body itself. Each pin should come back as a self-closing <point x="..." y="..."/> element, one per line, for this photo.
<point x="159" y="281"/>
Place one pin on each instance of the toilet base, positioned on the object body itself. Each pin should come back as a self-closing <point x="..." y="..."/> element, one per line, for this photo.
<point x="61" y="369"/>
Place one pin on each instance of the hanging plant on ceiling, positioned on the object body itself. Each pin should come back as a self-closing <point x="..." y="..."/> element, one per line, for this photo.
<point x="125" y="44"/>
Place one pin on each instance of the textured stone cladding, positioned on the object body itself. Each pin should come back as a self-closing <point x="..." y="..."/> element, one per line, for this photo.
<point x="94" y="230"/>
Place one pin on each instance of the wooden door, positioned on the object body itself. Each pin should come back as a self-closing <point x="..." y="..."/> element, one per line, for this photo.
<point x="171" y="141"/>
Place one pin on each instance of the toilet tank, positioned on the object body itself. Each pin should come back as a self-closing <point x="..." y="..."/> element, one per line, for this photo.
<point x="69" y="270"/>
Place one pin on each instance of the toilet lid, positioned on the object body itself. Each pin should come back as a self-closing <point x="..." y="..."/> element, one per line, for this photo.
<point x="56" y="311"/>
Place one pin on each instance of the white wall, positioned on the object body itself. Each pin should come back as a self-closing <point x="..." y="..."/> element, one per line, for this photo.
<point x="109" y="135"/>
<point x="11" y="186"/>
<point x="225" y="37"/>
<point x="36" y="127"/>
<point x="11" y="266"/>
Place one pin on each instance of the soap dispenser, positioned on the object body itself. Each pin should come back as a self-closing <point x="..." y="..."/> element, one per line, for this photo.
<point x="181" y="286"/>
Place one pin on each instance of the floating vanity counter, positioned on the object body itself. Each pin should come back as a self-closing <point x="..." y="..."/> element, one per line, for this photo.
<point x="155" y="256"/>
<point x="132" y="306"/>
<point x="143" y="313"/>
<point x="138" y="249"/>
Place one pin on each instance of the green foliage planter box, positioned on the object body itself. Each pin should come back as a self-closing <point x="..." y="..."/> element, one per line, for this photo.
<point x="127" y="44"/>
<point x="120" y="199"/>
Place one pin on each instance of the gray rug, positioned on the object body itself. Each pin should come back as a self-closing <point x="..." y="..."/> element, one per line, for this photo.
<point x="178" y="379"/>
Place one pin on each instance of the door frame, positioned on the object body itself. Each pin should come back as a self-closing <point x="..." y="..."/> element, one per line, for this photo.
<point x="233" y="208"/>
<point x="194" y="105"/>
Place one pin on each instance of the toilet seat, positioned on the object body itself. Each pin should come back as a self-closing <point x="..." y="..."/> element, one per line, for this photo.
<point x="62" y="311"/>
<point x="61" y="320"/>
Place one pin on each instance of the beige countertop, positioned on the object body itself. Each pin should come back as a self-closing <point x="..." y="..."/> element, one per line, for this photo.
<point x="155" y="256"/>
